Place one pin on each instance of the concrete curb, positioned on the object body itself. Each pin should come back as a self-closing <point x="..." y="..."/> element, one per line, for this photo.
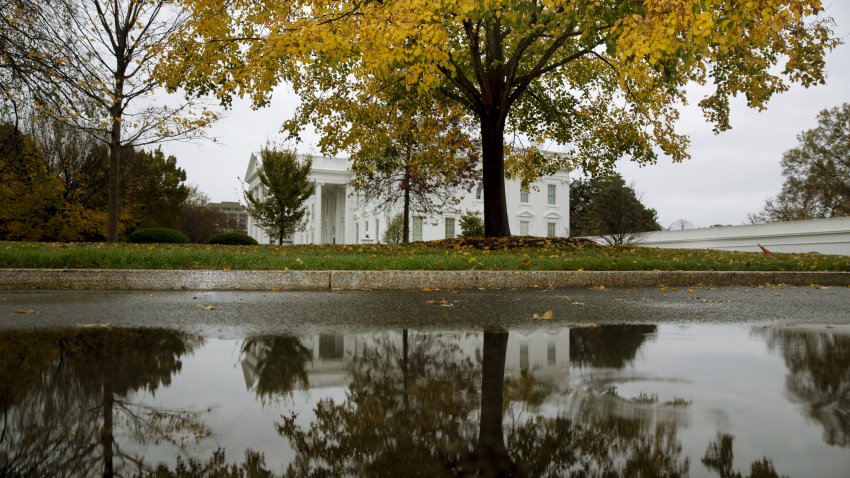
<point x="111" y="279"/>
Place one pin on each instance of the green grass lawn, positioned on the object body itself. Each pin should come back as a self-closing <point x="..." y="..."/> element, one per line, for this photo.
<point x="418" y="256"/>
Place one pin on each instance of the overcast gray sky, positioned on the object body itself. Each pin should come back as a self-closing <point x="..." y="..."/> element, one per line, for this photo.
<point x="729" y="175"/>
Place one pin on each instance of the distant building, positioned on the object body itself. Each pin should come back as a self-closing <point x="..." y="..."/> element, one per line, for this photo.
<point x="231" y="216"/>
<point x="338" y="215"/>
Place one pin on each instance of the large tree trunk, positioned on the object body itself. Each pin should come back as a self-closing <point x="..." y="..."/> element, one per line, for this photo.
<point x="107" y="434"/>
<point x="492" y="148"/>
<point x="490" y="455"/>
<point x="406" y="186"/>
<point x="113" y="207"/>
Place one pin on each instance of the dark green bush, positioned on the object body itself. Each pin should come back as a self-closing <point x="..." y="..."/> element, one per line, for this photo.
<point x="157" y="235"/>
<point x="471" y="225"/>
<point x="233" y="239"/>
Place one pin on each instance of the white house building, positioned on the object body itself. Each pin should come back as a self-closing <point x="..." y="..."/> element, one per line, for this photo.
<point x="338" y="215"/>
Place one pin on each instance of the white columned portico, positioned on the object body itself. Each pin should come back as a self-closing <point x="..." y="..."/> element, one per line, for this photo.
<point x="318" y="214"/>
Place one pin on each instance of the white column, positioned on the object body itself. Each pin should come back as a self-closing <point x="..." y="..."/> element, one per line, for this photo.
<point x="317" y="220"/>
<point x="348" y="201"/>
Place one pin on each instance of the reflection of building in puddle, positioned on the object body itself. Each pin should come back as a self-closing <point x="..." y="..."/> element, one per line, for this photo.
<point x="546" y="354"/>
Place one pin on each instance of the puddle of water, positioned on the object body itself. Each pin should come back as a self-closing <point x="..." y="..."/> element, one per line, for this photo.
<point x="612" y="400"/>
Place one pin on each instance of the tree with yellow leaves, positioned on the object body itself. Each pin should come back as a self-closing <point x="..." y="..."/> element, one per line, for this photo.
<point x="404" y="148"/>
<point x="605" y="78"/>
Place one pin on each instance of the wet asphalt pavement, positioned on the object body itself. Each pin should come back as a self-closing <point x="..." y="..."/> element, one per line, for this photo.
<point x="234" y="314"/>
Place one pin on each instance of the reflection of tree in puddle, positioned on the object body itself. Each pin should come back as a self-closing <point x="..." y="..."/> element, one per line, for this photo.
<point x="719" y="457"/>
<point x="67" y="397"/>
<point x="818" y="377"/>
<point x="253" y="466"/>
<point x="407" y="408"/>
<point x="607" y="346"/>
<point x="411" y="411"/>
<point x="275" y="364"/>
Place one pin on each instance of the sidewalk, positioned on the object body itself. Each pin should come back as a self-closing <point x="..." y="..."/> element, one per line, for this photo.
<point x="108" y="279"/>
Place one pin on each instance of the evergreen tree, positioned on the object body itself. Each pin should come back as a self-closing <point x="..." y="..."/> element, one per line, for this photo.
<point x="606" y="206"/>
<point x="280" y="210"/>
<point x="471" y="225"/>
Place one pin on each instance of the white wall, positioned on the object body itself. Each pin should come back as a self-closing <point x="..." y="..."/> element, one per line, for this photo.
<point x="824" y="236"/>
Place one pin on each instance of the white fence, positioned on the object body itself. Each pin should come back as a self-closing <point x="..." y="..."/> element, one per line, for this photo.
<point x="824" y="236"/>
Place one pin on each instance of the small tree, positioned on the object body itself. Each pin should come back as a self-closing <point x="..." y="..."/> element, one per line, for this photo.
<point x="196" y="220"/>
<point x="404" y="149"/>
<point x="607" y="207"/>
<point x="680" y="225"/>
<point x="279" y="209"/>
<point x="471" y="225"/>
<point x="395" y="230"/>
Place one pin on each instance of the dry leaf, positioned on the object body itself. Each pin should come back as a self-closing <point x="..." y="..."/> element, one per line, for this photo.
<point x="25" y="311"/>
<point x="209" y="307"/>
<point x="548" y="315"/>
<point x="441" y="303"/>
<point x="91" y="326"/>
<point x="427" y="289"/>
<point x="817" y="286"/>
<point x="598" y="287"/>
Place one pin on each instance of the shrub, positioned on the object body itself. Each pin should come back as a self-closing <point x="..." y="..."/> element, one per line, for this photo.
<point x="157" y="235"/>
<point x="233" y="239"/>
<point x="471" y="225"/>
<point x="395" y="230"/>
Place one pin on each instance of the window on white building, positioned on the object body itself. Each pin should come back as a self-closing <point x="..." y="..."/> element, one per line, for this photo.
<point x="478" y="192"/>
<point x="523" y="228"/>
<point x="550" y="354"/>
<point x="523" y="196"/>
<point x="417" y="229"/>
<point x="550" y="229"/>
<point x="450" y="228"/>
<point x="377" y="231"/>
<point x="551" y="198"/>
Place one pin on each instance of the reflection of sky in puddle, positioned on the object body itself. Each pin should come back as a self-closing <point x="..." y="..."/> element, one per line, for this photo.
<point x="731" y="380"/>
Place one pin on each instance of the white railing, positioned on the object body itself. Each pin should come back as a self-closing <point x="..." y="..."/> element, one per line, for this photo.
<point x="824" y="236"/>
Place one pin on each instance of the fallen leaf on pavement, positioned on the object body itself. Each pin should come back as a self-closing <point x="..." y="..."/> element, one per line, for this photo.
<point x="548" y="315"/>
<point x="209" y="307"/>
<point x="24" y="311"/>
<point x="441" y="303"/>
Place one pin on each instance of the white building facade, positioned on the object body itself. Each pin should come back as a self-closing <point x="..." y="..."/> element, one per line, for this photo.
<point x="337" y="214"/>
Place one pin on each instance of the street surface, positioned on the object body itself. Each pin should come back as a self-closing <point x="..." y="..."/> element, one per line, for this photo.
<point x="234" y="314"/>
